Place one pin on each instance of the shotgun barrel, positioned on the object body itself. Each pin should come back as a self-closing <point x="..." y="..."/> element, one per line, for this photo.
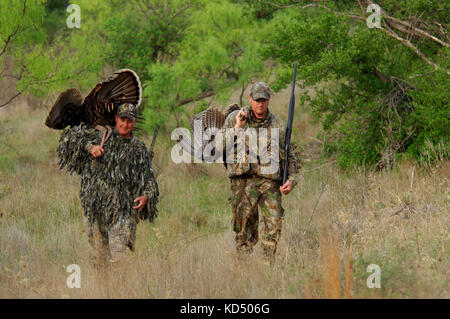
<point x="289" y="126"/>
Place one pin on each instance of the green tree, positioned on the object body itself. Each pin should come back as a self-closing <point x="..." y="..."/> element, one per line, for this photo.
<point x="384" y="90"/>
<point x="48" y="57"/>
<point x="21" y="25"/>
<point x="140" y="32"/>
<point x="219" y="52"/>
<point x="387" y="86"/>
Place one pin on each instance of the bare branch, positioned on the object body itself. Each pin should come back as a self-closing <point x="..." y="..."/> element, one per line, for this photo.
<point x="49" y="79"/>
<point x="408" y="43"/>
<point x="201" y="96"/>
<point x="442" y="30"/>
<point x="313" y="5"/>
<point x="362" y="8"/>
<point x="400" y="25"/>
<point x="12" y="98"/>
<point x="381" y="76"/>
<point x="180" y="12"/>
<point x="14" y="33"/>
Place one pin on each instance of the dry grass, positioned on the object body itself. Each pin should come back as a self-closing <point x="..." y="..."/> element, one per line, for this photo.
<point x="336" y="224"/>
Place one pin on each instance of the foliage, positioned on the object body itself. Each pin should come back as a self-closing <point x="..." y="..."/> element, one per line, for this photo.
<point x="378" y="92"/>
<point x="380" y="98"/>
<point x="48" y="60"/>
<point x="219" y="52"/>
<point x="139" y="33"/>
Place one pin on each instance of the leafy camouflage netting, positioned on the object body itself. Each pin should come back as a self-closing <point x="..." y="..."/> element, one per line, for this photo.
<point x="111" y="182"/>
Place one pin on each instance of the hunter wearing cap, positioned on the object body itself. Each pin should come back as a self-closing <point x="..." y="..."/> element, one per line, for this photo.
<point x="256" y="179"/>
<point x="118" y="186"/>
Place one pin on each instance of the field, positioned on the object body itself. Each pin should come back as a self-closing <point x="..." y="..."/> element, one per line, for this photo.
<point x="336" y="224"/>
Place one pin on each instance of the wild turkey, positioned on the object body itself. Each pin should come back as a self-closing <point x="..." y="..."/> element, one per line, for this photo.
<point x="210" y="122"/>
<point x="99" y="107"/>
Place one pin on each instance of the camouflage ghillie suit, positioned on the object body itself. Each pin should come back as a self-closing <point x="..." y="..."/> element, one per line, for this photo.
<point x="253" y="189"/>
<point x="109" y="184"/>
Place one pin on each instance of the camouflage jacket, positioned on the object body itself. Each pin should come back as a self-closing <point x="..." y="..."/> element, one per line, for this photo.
<point x="111" y="182"/>
<point x="242" y="162"/>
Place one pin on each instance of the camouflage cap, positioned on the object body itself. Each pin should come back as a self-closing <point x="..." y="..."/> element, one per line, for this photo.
<point x="127" y="110"/>
<point x="260" y="90"/>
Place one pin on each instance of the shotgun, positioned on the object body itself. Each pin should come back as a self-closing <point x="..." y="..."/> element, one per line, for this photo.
<point x="289" y="126"/>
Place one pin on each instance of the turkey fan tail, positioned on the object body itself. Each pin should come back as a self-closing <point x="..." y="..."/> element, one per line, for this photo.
<point x="211" y="121"/>
<point x="231" y="109"/>
<point x="124" y="86"/>
<point x="210" y="118"/>
<point x="66" y="110"/>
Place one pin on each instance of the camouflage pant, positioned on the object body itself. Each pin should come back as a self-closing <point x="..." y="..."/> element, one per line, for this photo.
<point x="248" y="196"/>
<point x="110" y="243"/>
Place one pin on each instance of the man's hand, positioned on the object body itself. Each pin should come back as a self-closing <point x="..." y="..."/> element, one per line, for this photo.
<point x="240" y="119"/>
<point x="286" y="188"/>
<point x="142" y="201"/>
<point x="97" y="151"/>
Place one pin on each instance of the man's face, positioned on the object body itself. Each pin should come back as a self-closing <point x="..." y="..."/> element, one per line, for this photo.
<point x="259" y="106"/>
<point x="124" y="126"/>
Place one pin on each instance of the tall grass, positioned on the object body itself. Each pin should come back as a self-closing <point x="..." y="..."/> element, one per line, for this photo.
<point x="336" y="224"/>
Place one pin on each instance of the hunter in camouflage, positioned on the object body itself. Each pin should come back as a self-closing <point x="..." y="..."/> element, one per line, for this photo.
<point x="118" y="186"/>
<point x="254" y="187"/>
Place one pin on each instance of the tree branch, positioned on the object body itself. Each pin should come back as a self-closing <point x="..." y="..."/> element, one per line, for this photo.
<point x="381" y="76"/>
<point x="14" y="33"/>
<point x="201" y="96"/>
<point x="386" y="30"/>
<point x="399" y="24"/>
<point x="408" y="43"/>
<point x="12" y="98"/>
